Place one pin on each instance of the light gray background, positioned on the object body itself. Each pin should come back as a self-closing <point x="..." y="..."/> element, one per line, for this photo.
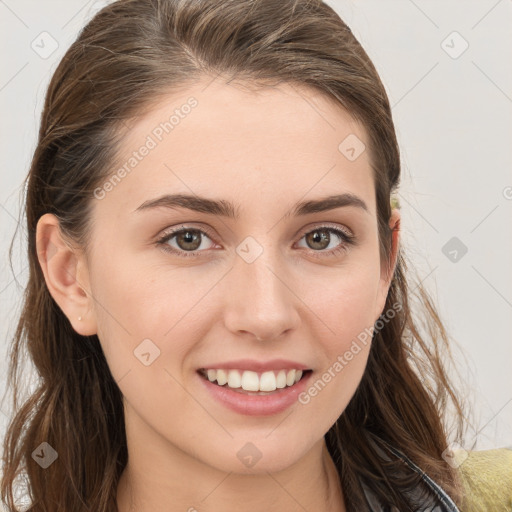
<point x="453" y="115"/>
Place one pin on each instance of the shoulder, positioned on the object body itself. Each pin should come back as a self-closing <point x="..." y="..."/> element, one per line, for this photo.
<point x="487" y="479"/>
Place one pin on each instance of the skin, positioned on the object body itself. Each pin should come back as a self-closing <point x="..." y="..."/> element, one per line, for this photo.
<point x="264" y="151"/>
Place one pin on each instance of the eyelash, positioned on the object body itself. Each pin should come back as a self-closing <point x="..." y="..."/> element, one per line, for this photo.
<point x="348" y="240"/>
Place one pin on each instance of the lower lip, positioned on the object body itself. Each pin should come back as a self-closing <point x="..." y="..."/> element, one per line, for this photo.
<point x="257" y="405"/>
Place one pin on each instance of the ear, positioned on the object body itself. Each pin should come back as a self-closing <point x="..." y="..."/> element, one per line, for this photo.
<point x="66" y="275"/>
<point x="388" y="267"/>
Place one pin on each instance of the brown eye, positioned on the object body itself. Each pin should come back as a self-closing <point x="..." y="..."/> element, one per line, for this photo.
<point x="188" y="240"/>
<point x="185" y="242"/>
<point x="328" y="241"/>
<point x="318" y="239"/>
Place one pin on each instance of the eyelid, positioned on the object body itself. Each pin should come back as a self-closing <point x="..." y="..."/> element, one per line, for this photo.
<point x="166" y="235"/>
<point x="183" y="227"/>
<point x="348" y="240"/>
<point x="319" y="225"/>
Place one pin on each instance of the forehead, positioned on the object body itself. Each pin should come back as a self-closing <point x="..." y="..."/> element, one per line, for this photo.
<point x="239" y="141"/>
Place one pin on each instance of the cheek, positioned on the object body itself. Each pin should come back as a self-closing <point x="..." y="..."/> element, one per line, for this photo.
<point x="148" y="313"/>
<point x="145" y="331"/>
<point x="331" y="390"/>
<point x="345" y="301"/>
<point x="344" y="318"/>
<point x="125" y="305"/>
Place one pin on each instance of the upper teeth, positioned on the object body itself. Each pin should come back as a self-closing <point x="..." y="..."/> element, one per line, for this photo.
<point x="252" y="381"/>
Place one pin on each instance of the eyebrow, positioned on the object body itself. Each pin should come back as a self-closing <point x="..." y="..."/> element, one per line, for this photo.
<point x="229" y="210"/>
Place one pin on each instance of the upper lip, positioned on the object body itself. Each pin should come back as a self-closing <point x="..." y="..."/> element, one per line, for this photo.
<point x="256" y="366"/>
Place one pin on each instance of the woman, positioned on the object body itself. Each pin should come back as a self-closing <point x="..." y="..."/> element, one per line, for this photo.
<point x="217" y="304"/>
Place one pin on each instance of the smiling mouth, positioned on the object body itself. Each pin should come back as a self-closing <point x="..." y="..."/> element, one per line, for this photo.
<point x="252" y="383"/>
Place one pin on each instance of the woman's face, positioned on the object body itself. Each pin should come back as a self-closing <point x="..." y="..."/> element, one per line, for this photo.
<point x="260" y="276"/>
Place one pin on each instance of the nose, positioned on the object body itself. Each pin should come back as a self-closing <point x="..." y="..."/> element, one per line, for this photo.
<point x="260" y="301"/>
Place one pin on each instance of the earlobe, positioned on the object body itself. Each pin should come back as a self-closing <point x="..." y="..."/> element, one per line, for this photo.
<point x="60" y="263"/>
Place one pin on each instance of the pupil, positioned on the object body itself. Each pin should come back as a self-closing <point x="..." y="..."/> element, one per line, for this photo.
<point x="318" y="237"/>
<point x="189" y="237"/>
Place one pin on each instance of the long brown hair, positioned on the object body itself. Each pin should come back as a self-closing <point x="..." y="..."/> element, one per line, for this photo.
<point x="128" y="55"/>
